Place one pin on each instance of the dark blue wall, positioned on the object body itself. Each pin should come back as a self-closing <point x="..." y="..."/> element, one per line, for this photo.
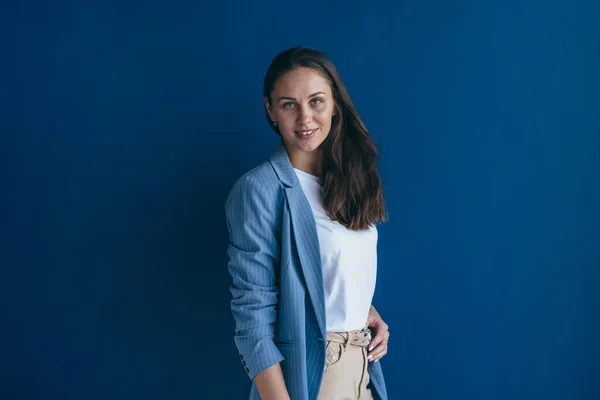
<point x="125" y="123"/>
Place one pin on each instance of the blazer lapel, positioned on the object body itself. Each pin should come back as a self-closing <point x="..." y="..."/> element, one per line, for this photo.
<point x="305" y="232"/>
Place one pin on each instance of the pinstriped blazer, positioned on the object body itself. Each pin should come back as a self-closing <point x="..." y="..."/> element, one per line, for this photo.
<point x="277" y="289"/>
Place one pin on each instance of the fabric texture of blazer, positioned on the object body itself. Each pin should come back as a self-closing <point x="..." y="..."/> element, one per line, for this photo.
<point x="277" y="288"/>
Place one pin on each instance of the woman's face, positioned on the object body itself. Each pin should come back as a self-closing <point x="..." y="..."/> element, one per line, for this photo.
<point x="302" y="105"/>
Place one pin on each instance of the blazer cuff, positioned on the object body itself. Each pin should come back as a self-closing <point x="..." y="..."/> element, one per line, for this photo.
<point x="257" y="354"/>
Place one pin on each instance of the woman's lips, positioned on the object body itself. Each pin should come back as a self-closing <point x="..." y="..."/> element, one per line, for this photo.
<point x="306" y="133"/>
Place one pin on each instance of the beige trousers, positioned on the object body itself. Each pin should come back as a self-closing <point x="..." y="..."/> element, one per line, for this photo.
<point x="345" y="376"/>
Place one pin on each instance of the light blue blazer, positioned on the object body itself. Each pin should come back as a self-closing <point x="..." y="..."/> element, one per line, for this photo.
<point x="277" y="290"/>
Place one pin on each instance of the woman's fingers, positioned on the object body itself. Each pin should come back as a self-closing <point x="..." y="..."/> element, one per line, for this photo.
<point x="375" y="342"/>
<point x="382" y="332"/>
<point x="378" y="346"/>
<point x="378" y="352"/>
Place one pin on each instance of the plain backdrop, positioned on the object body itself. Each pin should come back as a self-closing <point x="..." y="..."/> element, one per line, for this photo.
<point x="124" y="124"/>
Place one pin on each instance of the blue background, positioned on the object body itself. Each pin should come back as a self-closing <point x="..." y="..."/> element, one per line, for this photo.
<point x="124" y="124"/>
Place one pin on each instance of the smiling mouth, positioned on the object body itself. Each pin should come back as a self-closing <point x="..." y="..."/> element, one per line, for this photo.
<point x="306" y="133"/>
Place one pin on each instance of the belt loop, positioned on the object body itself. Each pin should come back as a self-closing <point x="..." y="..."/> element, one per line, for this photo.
<point x="347" y="342"/>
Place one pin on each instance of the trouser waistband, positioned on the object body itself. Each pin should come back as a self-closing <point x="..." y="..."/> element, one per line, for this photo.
<point x="360" y="338"/>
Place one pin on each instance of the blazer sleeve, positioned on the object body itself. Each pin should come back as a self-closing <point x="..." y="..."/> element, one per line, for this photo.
<point x="254" y="255"/>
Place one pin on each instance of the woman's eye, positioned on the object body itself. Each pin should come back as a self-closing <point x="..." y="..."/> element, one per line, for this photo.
<point x="288" y="105"/>
<point x="316" y="102"/>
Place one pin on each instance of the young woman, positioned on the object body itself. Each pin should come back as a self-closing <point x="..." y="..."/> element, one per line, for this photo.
<point x="303" y="243"/>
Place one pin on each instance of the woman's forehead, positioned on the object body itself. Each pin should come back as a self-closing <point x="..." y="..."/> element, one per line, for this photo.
<point x="301" y="82"/>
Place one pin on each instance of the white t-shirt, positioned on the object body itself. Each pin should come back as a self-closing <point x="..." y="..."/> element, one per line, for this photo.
<point x="349" y="261"/>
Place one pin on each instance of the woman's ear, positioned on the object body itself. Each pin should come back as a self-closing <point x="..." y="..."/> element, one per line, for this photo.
<point x="268" y="108"/>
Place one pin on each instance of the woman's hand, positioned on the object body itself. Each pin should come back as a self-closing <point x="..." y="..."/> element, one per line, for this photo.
<point x="379" y="344"/>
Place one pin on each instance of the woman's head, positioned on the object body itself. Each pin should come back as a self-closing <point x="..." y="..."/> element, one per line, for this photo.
<point x="301" y="107"/>
<point x="307" y="104"/>
<point x="301" y="94"/>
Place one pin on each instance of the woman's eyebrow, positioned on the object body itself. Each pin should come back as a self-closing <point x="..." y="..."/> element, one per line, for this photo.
<point x="291" y="98"/>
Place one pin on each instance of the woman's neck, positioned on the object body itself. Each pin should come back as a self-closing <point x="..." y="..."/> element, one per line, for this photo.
<point x="309" y="162"/>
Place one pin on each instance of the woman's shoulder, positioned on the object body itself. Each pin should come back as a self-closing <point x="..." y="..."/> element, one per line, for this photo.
<point x="262" y="173"/>
<point x="262" y="181"/>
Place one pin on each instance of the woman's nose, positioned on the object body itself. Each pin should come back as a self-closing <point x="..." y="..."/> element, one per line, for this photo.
<point x="305" y="115"/>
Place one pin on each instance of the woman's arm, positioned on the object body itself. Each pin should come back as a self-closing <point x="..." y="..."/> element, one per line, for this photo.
<point x="271" y="385"/>
<point x="378" y="346"/>
<point x="254" y="255"/>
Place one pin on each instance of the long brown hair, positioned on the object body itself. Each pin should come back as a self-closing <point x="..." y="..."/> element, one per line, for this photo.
<point x="352" y="188"/>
